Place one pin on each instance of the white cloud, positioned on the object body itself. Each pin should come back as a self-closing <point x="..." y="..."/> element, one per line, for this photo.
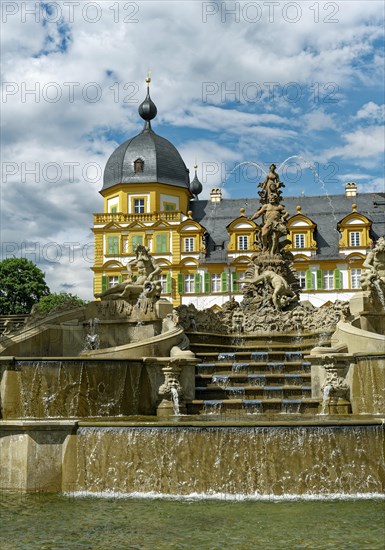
<point x="375" y="185"/>
<point x="362" y="143"/>
<point x="183" y="52"/>
<point x="371" y="112"/>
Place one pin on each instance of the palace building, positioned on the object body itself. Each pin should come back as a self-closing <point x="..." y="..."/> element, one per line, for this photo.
<point x="204" y="246"/>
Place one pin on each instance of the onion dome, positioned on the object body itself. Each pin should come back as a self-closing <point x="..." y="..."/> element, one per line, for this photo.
<point x="196" y="186"/>
<point x="147" y="109"/>
<point x="147" y="157"/>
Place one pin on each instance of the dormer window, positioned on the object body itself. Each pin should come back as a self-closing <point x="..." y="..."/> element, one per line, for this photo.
<point x="354" y="238"/>
<point x="299" y="240"/>
<point x="138" y="165"/>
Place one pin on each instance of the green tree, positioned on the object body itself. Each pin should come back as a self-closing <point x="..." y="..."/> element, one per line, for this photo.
<point x="58" y="302"/>
<point x="22" y="284"/>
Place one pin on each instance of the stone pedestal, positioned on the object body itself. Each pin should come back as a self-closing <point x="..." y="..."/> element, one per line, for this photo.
<point x="332" y="369"/>
<point x="337" y="405"/>
<point x="171" y="392"/>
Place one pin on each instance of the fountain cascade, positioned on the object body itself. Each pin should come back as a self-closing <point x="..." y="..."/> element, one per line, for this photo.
<point x="269" y="396"/>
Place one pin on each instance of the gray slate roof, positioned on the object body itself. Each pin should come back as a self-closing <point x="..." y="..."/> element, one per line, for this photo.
<point x="325" y="211"/>
<point x="162" y="162"/>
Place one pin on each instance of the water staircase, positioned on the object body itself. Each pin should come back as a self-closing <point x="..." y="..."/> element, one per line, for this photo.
<point x="253" y="375"/>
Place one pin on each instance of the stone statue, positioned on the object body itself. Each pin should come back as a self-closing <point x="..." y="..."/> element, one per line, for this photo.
<point x="274" y="223"/>
<point x="374" y="276"/>
<point x="282" y="293"/>
<point x="146" y="283"/>
<point x="271" y="185"/>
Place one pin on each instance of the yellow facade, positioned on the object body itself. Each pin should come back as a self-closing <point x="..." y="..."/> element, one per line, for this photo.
<point x="157" y="216"/>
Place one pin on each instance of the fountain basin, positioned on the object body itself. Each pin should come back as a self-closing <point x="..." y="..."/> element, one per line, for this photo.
<point x="278" y="456"/>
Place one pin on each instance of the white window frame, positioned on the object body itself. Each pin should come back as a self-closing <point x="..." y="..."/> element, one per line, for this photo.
<point x="328" y="279"/>
<point x="112" y="280"/>
<point x="189" y="244"/>
<point x="354" y="238"/>
<point x="241" y="277"/>
<point x="302" y="279"/>
<point x="189" y="283"/>
<point x="299" y="240"/>
<point x="243" y="242"/>
<point x="163" y="282"/>
<point x="355" y="276"/>
<point x="216" y="282"/>
<point x="139" y="206"/>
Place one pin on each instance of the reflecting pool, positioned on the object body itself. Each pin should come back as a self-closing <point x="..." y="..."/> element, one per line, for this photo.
<point x="66" y="522"/>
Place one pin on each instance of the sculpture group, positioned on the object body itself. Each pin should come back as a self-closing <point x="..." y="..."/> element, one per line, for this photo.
<point x="142" y="290"/>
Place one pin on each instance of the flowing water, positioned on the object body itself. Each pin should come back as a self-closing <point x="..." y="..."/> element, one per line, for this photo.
<point x="55" y="522"/>
<point x="77" y="388"/>
<point x="250" y="461"/>
<point x="175" y="401"/>
<point x="379" y="291"/>
<point x="325" y="398"/>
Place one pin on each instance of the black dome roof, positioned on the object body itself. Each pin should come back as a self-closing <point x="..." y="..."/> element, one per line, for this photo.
<point x="161" y="161"/>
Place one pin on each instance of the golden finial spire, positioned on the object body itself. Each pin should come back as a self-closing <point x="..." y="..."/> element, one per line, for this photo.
<point x="148" y="79"/>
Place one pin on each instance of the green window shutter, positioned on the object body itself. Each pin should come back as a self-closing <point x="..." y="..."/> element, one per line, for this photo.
<point x="198" y="281"/>
<point x="135" y="241"/>
<point x="104" y="283"/>
<point x="169" y="283"/>
<point x="319" y="279"/>
<point x="161" y="243"/>
<point x="224" y="284"/>
<point x="309" y="280"/>
<point x="180" y="283"/>
<point x="337" y="279"/>
<point x="112" y="245"/>
<point x="207" y="282"/>
<point x="119" y="279"/>
<point x="235" y="281"/>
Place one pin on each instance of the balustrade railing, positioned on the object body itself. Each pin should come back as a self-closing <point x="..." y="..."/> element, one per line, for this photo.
<point x="120" y="217"/>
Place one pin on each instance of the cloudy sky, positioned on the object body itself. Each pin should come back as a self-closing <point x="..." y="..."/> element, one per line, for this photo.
<point x="237" y="85"/>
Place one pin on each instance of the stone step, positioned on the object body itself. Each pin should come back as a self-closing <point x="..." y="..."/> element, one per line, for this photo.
<point x="207" y="350"/>
<point x="253" y="367"/>
<point x="235" y="407"/>
<point x="253" y="392"/>
<point x="237" y="377"/>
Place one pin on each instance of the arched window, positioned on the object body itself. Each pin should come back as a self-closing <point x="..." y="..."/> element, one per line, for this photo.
<point x="138" y="165"/>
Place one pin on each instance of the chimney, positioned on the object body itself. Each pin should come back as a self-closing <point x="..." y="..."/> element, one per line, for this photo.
<point x="216" y="195"/>
<point x="350" y="189"/>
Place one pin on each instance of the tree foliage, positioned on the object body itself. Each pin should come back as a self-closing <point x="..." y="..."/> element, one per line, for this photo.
<point x="58" y="302"/>
<point x="22" y="285"/>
